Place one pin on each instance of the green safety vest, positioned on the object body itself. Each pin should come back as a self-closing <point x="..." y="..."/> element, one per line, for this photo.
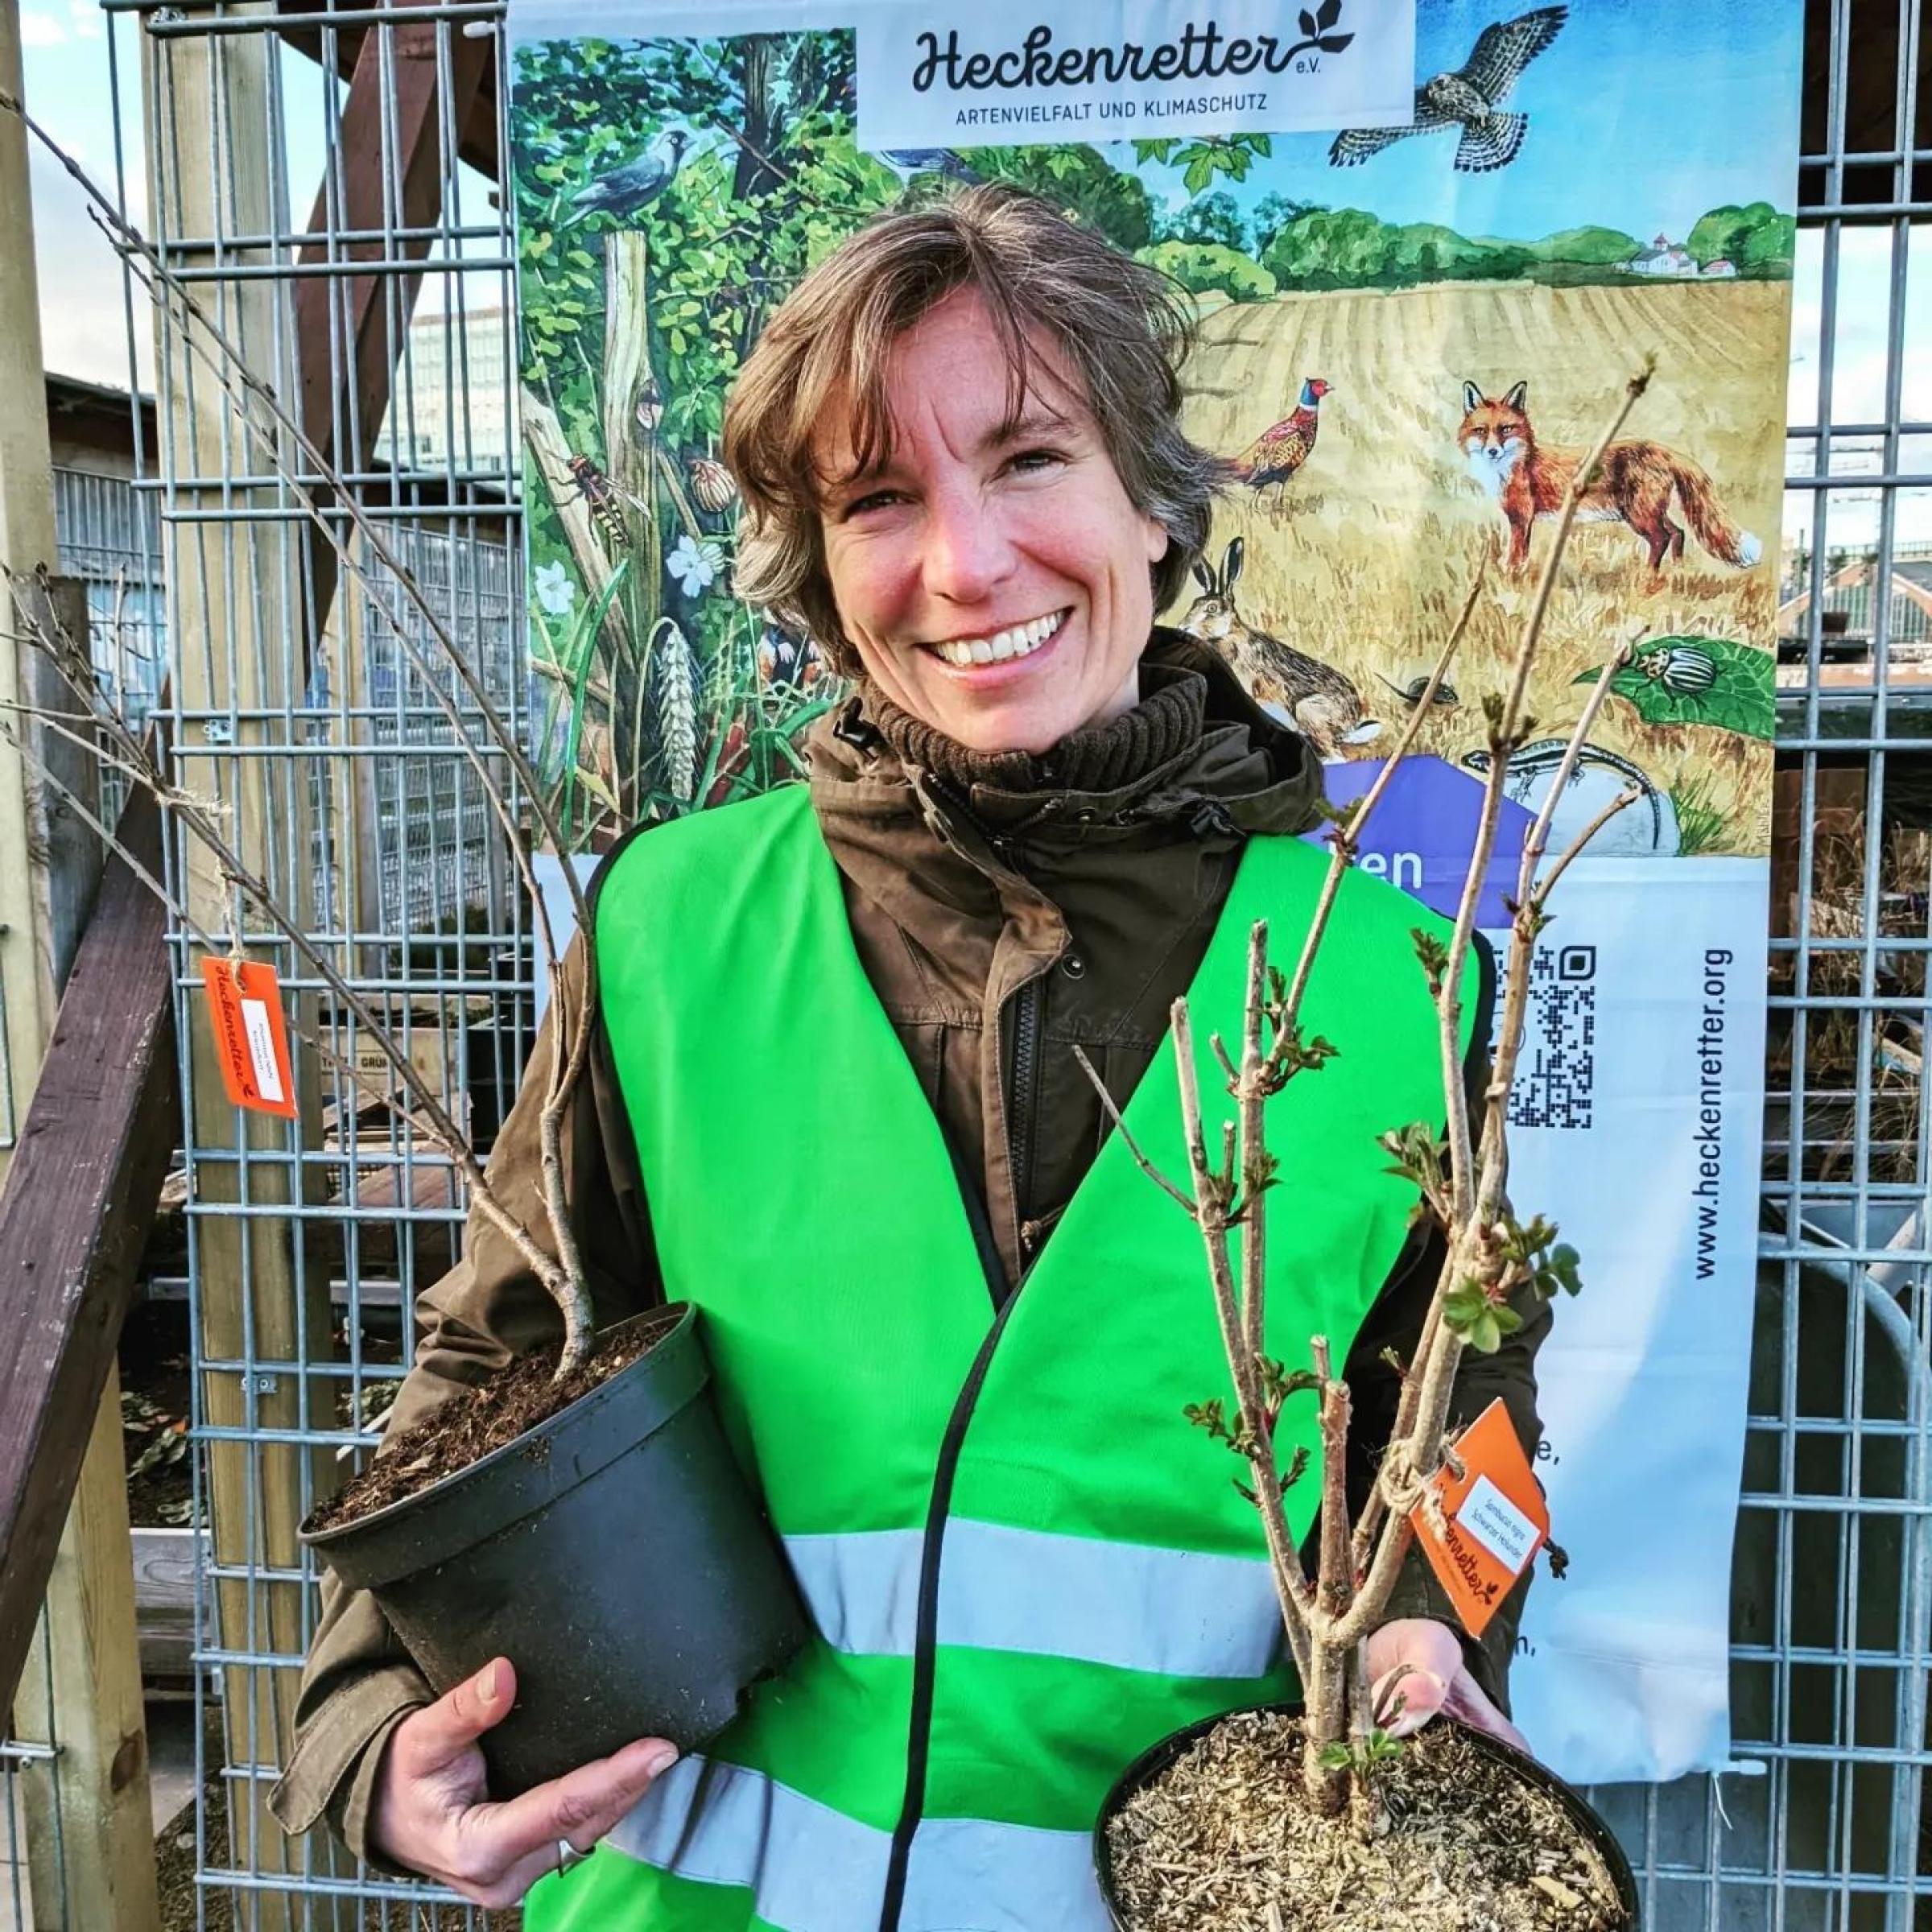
<point x="1023" y="1565"/>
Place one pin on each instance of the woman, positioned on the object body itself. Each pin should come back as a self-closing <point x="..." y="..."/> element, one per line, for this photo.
<point x="954" y="1328"/>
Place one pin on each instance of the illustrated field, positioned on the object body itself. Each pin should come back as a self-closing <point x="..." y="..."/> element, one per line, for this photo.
<point x="1362" y="558"/>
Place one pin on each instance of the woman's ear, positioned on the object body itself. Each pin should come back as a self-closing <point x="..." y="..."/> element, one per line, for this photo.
<point x="1159" y="542"/>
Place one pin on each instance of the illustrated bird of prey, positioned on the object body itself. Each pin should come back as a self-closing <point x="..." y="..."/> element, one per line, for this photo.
<point x="1471" y="98"/>
<point x="637" y="183"/>
<point x="1278" y="452"/>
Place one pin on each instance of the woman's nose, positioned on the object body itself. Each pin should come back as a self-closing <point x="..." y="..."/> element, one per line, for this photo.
<point x="966" y="552"/>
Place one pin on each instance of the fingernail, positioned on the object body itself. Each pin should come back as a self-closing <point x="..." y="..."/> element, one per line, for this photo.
<point x="657" y="1762"/>
<point x="489" y="1683"/>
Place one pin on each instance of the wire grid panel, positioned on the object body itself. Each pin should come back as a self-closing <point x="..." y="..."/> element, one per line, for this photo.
<point x="1821" y="1823"/>
<point x="293" y="704"/>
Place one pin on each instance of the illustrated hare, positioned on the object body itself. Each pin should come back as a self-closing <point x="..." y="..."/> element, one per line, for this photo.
<point x="1315" y="697"/>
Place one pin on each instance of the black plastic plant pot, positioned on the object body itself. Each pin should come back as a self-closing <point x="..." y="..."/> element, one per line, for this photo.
<point x="1155" y="1760"/>
<point x="615" y="1553"/>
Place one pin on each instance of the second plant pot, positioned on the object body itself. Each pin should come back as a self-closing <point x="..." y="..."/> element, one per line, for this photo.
<point x="1152" y="1762"/>
<point x="614" y="1553"/>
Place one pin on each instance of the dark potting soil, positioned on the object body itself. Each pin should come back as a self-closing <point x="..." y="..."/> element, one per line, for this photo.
<point x="1225" y="1836"/>
<point x="469" y="1425"/>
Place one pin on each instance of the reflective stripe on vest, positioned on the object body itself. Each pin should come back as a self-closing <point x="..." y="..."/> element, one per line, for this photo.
<point x="810" y="1868"/>
<point x="1099" y="1582"/>
<point x="1179" y="1613"/>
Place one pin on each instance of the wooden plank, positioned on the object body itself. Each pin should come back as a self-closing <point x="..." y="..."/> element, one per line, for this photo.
<point x="165" y="1563"/>
<point x="74" y="1217"/>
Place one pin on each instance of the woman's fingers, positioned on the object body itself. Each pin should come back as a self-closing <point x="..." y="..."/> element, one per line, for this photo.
<point x="1411" y="1663"/>
<point x="505" y="1849"/>
<point x="1405" y="1697"/>
<point x="1468" y="1701"/>
<point x="432" y="1739"/>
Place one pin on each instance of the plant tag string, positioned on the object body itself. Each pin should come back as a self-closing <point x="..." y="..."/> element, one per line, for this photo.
<point x="251" y="1041"/>
<point x="1493" y="1519"/>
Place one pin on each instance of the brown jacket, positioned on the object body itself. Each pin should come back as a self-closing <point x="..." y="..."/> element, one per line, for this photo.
<point x="1007" y="909"/>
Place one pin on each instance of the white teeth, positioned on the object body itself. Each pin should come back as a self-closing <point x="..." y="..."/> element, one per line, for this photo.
<point x="1020" y="641"/>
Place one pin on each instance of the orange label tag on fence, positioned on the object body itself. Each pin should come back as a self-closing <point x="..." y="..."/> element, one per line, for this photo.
<point x="251" y="1041"/>
<point x="1495" y="1517"/>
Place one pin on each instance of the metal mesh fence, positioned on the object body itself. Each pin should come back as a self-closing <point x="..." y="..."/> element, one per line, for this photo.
<point x="110" y="533"/>
<point x="303" y="1249"/>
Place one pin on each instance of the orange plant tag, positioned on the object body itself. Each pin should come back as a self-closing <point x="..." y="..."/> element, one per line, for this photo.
<point x="244" y="1009"/>
<point x="1496" y="1515"/>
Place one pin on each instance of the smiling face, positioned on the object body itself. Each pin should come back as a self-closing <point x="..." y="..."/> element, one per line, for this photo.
<point x="992" y="576"/>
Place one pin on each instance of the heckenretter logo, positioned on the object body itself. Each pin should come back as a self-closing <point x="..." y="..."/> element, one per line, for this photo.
<point x="936" y="74"/>
<point x="1197" y="54"/>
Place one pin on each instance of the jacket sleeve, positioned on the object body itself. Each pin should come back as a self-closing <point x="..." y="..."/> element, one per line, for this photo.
<point x="1395" y="1324"/>
<point x="358" y="1682"/>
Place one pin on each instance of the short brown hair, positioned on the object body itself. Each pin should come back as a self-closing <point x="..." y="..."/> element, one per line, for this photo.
<point x="1123" y="329"/>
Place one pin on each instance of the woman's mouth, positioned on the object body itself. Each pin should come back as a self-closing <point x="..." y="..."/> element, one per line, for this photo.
<point x="1001" y="646"/>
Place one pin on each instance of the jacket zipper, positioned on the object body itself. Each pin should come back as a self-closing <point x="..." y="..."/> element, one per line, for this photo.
<point x="926" y="1629"/>
<point x="1023" y="1095"/>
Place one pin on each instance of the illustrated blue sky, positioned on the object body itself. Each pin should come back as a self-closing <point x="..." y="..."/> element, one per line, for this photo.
<point x="1643" y="115"/>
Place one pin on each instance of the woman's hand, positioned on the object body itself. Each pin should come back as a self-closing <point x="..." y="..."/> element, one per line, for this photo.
<point x="431" y="1812"/>
<point x="1420" y="1662"/>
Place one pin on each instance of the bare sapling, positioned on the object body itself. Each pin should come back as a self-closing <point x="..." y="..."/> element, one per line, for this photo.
<point x="1458" y="1172"/>
<point x="488" y="742"/>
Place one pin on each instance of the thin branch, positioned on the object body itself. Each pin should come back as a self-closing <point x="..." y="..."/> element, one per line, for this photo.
<point x="1561" y="864"/>
<point x="1113" y="1114"/>
<point x="1537" y="840"/>
<point x="431" y="1120"/>
<point x="1345" y="840"/>
<point x="1292" y="1588"/>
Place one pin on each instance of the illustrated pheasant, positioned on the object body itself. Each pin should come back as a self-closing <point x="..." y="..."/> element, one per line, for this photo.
<point x="1274" y="456"/>
<point x="1470" y="97"/>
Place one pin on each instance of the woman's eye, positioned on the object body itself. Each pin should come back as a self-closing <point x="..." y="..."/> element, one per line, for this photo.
<point x="877" y="499"/>
<point x="1032" y="461"/>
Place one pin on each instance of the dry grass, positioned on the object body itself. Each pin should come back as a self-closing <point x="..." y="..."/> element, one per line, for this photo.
<point x="1366" y="562"/>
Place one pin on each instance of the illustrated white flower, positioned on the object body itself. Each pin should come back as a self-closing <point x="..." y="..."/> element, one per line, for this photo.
<point x="555" y="590"/>
<point x="694" y="565"/>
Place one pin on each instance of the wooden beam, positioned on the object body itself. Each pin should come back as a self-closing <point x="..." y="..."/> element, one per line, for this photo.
<point x="74" y="1217"/>
<point x="103" y="1872"/>
<point x="234" y="600"/>
<point x="476" y="131"/>
<point x="392" y="164"/>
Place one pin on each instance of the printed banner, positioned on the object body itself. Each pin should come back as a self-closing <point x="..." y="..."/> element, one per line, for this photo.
<point x="1413" y="320"/>
<point x="1145" y="69"/>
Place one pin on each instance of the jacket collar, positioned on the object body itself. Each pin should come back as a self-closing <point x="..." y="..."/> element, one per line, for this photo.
<point x="1195" y="751"/>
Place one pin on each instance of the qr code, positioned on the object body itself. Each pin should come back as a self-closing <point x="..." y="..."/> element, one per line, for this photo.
<point x="1556" y="1072"/>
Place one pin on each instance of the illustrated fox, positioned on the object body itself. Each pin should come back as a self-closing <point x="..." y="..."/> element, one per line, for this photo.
<point x="1634" y="484"/>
